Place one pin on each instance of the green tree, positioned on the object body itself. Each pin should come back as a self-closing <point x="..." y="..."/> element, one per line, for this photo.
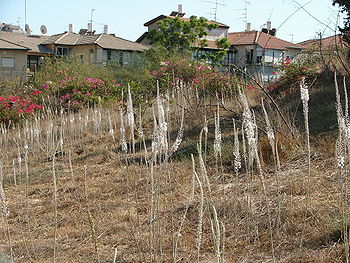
<point x="216" y="57"/>
<point x="345" y="8"/>
<point x="178" y="35"/>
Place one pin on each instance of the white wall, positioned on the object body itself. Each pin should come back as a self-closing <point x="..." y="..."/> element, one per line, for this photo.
<point x="216" y="33"/>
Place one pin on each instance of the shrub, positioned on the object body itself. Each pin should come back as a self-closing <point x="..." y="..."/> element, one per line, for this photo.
<point x="196" y="75"/>
<point x="16" y="108"/>
<point x="71" y="84"/>
<point x="291" y="72"/>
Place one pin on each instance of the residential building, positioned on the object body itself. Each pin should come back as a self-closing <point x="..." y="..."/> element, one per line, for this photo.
<point x="10" y="28"/>
<point x="22" y="54"/>
<point x="36" y="50"/>
<point x="221" y="31"/>
<point x="259" y="51"/>
<point x="96" y="48"/>
<point x="13" y="59"/>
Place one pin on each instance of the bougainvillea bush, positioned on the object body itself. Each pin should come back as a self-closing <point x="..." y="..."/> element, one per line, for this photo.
<point x="17" y="108"/>
<point x="197" y="75"/>
<point x="68" y="83"/>
<point x="291" y="72"/>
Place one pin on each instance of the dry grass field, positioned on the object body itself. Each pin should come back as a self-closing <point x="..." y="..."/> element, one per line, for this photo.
<point x="71" y="194"/>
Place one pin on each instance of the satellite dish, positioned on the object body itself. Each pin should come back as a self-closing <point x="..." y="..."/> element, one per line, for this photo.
<point x="27" y="29"/>
<point x="43" y="29"/>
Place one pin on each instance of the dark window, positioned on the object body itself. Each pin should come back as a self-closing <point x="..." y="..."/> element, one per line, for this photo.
<point x="258" y="60"/>
<point x="250" y="56"/>
<point x="109" y="55"/>
<point x="62" y="51"/>
<point x="33" y="62"/>
<point x="121" y="59"/>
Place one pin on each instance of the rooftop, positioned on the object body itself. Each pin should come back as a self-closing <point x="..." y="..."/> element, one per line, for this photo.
<point x="262" y="39"/>
<point x="106" y="41"/>
<point x="31" y="42"/>
<point x="325" y="43"/>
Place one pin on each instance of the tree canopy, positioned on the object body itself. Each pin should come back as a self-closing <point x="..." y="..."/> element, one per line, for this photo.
<point x="177" y="34"/>
<point x="345" y="8"/>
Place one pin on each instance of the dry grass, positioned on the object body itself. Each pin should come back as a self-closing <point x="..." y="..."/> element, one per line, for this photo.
<point x="105" y="206"/>
<point x="118" y="200"/>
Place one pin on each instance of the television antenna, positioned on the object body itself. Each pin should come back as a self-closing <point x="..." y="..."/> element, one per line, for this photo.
<point x="244" y="16"/>
<point x="216" y="3"/>
<point x="43" y="29"/>
<point x="27" y="29"/>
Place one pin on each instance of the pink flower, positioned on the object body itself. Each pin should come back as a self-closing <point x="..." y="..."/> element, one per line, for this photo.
<point x="13" y="99"/>
<point x="35" y="92"/>
<point x="250" y="87"/>
<point x="88" y="94"/>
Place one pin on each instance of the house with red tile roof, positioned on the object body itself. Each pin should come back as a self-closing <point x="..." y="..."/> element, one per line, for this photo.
<point x="259" y="51"/>
<point x="259" y="48"/>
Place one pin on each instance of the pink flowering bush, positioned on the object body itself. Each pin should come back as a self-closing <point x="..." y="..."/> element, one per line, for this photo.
<point x="70" y="84"/>
<point x="16" y="108"/>
<point x="291" y="73"/>
<point x="194" y="75"/>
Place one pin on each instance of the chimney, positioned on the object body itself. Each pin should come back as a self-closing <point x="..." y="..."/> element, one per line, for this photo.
<point x="269" y="25"/>
<point x="89" y="27"/>
<point x="248" y="27"/>
<point x="105" y="29"/>
<point x="179" y="9"/>
<point x="70" y="28"/>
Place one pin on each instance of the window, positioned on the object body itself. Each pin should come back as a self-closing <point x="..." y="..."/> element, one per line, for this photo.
<point x="63" y="51"/>
<point x="8" y="62"/>
<point x="258" y="60"/>
<point x="250" y="55"/>
<point x="121" y="59"/>
<point x="33" y="62"/>
<point x="109" y="55"/>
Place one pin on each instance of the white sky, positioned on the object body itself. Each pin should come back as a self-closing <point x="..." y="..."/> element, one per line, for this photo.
<point x="126" y="17"/>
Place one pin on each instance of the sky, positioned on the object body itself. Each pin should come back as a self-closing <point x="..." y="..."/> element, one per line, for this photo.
<point x="125" y="18"/>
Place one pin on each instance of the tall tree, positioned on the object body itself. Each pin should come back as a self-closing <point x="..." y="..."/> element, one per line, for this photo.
<point x="177" y="34"/>
<point x="344" y="8"/>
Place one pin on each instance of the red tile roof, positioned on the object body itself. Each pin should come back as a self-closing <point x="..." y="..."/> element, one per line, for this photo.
<point x="325" y="43"/>
<point x="262" y="39"/>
